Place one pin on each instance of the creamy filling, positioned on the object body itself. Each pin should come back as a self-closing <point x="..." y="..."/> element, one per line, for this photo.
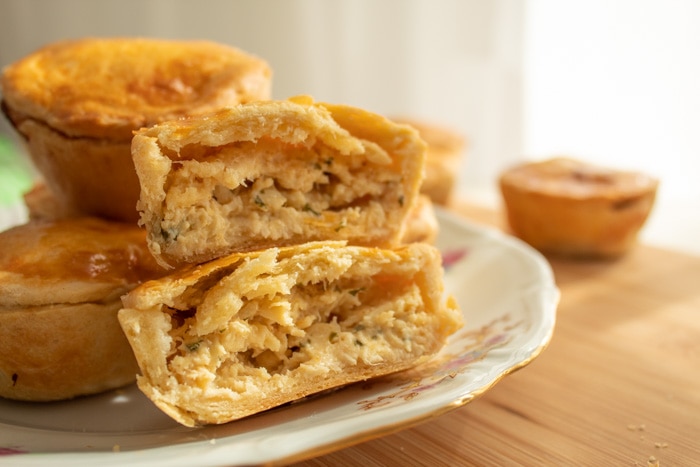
<point x="262" y="192"/>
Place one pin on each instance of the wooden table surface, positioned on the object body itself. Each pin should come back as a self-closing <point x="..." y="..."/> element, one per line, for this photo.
<point x="619" y="384"/>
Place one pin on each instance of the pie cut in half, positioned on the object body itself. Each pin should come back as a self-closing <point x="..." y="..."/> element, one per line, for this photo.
<point x="251" y="331"/>
<point x="275" y="173"/>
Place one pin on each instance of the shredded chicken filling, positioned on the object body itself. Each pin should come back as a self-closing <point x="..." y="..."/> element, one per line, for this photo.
<point x="274" y="328"/>
<point x="261" y="190"/>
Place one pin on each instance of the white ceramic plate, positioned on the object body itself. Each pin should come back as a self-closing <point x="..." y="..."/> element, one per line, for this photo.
<point x="509" y="300"/>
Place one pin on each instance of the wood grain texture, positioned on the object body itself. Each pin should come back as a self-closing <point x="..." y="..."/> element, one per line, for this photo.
<point x="618" y="385"/>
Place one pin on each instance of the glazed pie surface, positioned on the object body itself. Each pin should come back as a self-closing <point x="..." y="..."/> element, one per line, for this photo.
<point x="108" y="87"/>
<point x="72" y="261"/>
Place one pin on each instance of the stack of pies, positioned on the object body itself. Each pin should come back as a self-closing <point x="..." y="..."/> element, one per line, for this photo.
<point x="76" y="105"/>
<point x="291" y="255"/>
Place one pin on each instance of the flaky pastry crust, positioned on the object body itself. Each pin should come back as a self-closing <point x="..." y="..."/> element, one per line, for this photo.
<point x="421" y="223"/>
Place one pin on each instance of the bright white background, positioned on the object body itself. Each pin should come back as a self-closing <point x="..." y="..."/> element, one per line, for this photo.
<point x="618" y="82"/>
<point x="614" y="82"/>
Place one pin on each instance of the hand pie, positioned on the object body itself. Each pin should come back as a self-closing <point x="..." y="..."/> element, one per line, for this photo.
<point x="569" y="207"/>
<point x="77" y="103"/>
<point x="251" y="331"/>
<point x="275" y="173"/>
<point x="60" y="289"/>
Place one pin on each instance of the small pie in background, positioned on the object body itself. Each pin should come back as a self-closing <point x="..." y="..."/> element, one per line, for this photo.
<point x="569" y="207"/>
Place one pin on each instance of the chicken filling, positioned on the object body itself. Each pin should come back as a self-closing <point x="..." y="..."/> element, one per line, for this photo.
<point x="323" y="318"/>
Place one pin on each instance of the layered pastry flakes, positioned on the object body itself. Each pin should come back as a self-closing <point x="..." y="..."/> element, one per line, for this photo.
<point x="569" y="207"/>
<point x="275" y="173"/>
<point x="61" y="284"/>
<point x="78" y="102"/>
<point x="251" y="331"/>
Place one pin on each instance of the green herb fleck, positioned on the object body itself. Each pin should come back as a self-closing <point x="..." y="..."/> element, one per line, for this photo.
<point x="359" y="343"/>
<point x="340" y="226"/>
<point x="307" y="208"/>
<point x="170" y="235"/>
<point x="333" y="337"/>
<point x="192" y="346"/>
<point x="401" y="200"/>
<point x="259" y="201"/>
<point x="354" y="292"/>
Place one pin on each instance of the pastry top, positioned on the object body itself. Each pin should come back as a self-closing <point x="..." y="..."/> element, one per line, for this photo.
<point x="251" y="331"/>
<point x="274" y="173"/>
<point x="567" y="178"/>
<point x="295" y="121"/>
<point x="72" y="261"/>
<point x="106" y="88"/>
